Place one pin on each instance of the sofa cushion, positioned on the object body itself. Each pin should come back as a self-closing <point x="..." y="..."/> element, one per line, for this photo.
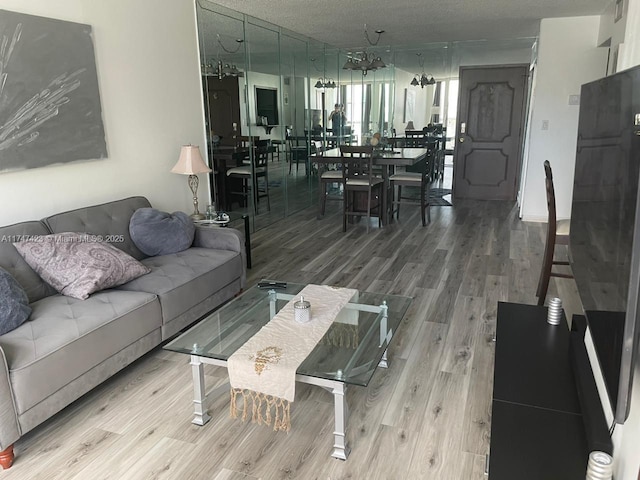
<point x="13" y="262"/>
<point x="161" y="233"/>
<point x="77" y="266"/>
<point x="65" y="337"/>
<point x="109" y="220"/>
<point x="14" y="303"/>
<point x="182" y="280"/>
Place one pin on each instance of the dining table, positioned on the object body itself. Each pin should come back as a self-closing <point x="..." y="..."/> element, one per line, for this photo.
<point x="388" y="159"/>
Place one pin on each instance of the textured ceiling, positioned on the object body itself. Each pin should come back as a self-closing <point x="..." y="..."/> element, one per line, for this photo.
<point x="406" y="22"/>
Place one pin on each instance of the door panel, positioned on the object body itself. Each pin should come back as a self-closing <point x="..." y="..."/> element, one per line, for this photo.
<point x="490" y="115"/>
<point x="223" y="105"/>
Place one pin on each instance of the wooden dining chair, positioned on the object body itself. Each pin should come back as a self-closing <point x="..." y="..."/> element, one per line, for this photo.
<point x="557" y="234"/>
<point x="250" y="176"/>
<point x="417" y="176"/>
<point x="328" y="174"/>
<point x="357" y="176"/>
<point x="414" y="139"/>
<point x="298" y="151"/>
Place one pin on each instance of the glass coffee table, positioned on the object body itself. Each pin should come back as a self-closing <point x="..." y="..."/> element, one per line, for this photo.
<point x="354" y="346"/>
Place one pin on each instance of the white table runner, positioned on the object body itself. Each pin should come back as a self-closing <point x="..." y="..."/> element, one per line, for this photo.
<point x="263" y="371"/>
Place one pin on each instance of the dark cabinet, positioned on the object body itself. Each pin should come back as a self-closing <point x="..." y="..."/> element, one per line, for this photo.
<point x="537" y="429"/>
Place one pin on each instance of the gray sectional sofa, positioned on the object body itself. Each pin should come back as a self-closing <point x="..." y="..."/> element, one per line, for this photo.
<point x="69" y="346"/>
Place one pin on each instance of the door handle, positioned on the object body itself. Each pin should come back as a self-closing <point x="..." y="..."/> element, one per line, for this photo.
<point x="461" y="140"/>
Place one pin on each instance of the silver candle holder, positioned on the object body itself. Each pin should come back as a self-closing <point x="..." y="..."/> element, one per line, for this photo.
<point x="600" y="466"/>
<point x="302" y="310"/>
<point x="554" y="315"/>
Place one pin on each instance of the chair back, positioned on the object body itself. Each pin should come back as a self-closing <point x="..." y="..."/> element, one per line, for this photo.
<point x="414" y="139"/>
<point x="551" y="204"/>
<point x="297" y="141"/>
<point x="245" y="141"/>
<point x="317" y="147"/>
<point x="357" y="160"/>
<point x="260" y="157"/>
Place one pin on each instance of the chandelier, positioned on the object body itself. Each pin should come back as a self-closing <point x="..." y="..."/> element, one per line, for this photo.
<point x="423" y="79"/>
<point x="221" y="70"/>
<point x="322" y="82"/>
<point x="366" y="61"/>
<point x="325" y="83"/>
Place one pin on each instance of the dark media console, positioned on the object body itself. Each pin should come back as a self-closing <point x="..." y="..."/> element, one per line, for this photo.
<point x="545" y="419"/>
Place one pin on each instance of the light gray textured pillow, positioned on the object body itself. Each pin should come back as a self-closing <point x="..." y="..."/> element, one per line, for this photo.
<point x="14" y="304"/>
<point x="77" y="265"/>
<point x="161" y="233"/>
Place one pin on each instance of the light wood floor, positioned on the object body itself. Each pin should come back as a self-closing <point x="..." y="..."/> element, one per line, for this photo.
<point x="426" y="417"/>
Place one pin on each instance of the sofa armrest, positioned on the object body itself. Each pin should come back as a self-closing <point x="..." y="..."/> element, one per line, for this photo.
<point x="223" y="239"/>
<point x="9" y="427"/>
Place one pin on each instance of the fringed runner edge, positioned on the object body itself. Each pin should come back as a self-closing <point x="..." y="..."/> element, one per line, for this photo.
<point x="261" y="409"/>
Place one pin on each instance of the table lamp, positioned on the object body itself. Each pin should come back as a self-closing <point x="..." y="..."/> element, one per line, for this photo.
<point x="191" y="163"/>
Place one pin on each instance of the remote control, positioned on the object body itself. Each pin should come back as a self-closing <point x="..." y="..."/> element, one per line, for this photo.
<point x="269" y="284"/>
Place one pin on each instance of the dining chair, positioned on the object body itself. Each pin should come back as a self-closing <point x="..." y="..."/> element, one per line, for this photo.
<point x="298" y="150"/>
<point x="357" y="176"/>
<point x="276" y="145"/>
<point x="246" y="141"/>
<point x="327" y="175"/>
<point x="436" y="159"/>
<point x="414" y="139"/>
<point x="416" y="176"/>
<point x="250" y="177"/>
<point x="557" y="234"/>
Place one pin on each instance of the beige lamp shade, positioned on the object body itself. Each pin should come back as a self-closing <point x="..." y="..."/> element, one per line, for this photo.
<point x="190" y="161"/>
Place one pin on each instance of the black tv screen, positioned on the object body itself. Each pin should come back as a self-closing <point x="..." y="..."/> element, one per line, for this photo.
<point x="604" y="244"/>
<point x="267" y="104"/>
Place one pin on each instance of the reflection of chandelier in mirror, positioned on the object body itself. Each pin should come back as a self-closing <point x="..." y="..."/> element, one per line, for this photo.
<point x="325" y="83"/>
<point x="423" y="79"/>
<point x="366" y="61"/>
<point x="220" y="70"/>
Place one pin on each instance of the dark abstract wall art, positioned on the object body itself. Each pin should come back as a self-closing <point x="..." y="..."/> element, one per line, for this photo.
<point x="50" y="109"/>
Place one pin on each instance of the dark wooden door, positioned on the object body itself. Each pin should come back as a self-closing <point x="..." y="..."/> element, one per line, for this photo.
<point x="222" y="104"/>
<point x="222" y="110"/>
<point x="489" y="132"/>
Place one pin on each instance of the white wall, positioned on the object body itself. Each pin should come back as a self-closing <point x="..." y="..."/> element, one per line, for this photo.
<point x="148" y="73"/>
<point x="424" y="101"/>
<point x="567" y="57"/>
<point x="249" y="127"/>
<point x="629" y="55"/>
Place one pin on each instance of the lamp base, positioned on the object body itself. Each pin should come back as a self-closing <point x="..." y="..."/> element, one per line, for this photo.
<point x="197" y="216"/>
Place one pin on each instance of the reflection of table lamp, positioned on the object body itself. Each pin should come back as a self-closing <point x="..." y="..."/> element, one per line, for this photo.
<point x="191" y="163"/>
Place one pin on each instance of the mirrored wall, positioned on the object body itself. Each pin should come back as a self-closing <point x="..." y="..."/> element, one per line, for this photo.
<point x="273" y="97"/>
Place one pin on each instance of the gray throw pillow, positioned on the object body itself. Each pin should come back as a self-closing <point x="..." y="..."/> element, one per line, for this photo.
<point x="161" y="233"/>
<point x="79" y="264"/>
<point x="14" y="304"/>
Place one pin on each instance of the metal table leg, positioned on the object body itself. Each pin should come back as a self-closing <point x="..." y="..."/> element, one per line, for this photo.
<point x="340" y="448"/>
<point x="199" y="411"/>
<point x="247" y="239"/>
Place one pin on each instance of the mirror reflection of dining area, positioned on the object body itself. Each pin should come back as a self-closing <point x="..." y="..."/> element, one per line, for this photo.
<point x="278" y="105"/>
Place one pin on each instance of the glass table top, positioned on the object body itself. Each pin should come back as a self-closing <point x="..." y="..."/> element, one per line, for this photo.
<point x="349" y="352"/>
